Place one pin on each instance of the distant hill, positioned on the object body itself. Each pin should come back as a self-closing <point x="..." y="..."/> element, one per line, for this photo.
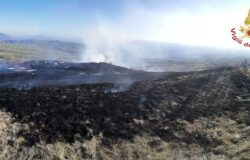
<point x="24" y="50"/>
<point x="139" y="55"/>
<point x="4" y="37"/>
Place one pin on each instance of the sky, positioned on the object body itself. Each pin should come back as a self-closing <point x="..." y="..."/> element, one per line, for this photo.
<point x="192" y="22"/>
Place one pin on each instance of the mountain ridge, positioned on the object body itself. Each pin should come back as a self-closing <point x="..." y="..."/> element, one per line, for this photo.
<point x="5" y="37"/>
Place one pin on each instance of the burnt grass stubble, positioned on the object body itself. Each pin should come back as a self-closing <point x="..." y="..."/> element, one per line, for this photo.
<point x="69" y="113"/>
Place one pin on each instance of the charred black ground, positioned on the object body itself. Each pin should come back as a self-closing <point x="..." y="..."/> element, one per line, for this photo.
<point x="26" y="75"/>
<point x="155" y="107"/>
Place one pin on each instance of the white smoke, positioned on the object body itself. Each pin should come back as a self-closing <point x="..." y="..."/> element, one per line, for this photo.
<point x="112" y="40"/>
<point x="103" y="44"/>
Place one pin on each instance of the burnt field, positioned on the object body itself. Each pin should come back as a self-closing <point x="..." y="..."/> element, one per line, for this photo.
<point x="26" y="75"/>
<point x="209" y="109"/>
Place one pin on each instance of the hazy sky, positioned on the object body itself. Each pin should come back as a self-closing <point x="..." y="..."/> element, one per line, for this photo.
<point x="195" y="22"/>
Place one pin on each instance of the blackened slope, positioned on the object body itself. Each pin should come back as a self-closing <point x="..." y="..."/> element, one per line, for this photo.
<point x="90" y="68"/>
<point x="155" y="107"/>
<point x="47" y="73"/>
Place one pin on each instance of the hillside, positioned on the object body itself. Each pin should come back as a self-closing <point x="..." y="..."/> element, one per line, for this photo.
<point x="24" y="50"/>
<point x="156" y="57"/>
<point x="4" y="37"/>
<point x="197" y="115"/>
<point x="44" y="73"/>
